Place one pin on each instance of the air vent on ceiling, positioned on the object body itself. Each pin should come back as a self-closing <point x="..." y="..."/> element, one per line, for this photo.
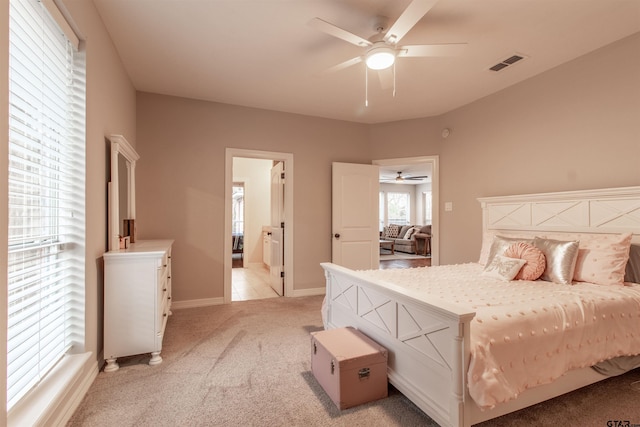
<point x="507" y="62"/>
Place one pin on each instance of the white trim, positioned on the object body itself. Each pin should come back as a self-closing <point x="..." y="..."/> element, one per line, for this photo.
<point x="309" y="292"/>
<point x="287" y="158"/>
<point x="435" y="196"/>
<point x="62" y="22"/>
<point x="54" y="400"/>
<point x="193" y="303"/>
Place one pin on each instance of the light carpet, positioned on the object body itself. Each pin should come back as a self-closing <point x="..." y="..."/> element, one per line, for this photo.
<point x="248" y="364"/>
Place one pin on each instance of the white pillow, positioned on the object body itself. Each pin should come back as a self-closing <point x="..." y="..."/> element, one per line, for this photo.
<point x="561" y="259"/>
<point x="503" y="268"/>
<point x="411" y="232"/>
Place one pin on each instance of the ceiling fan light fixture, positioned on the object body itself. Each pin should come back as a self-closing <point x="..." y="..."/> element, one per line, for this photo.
<point x="380" y="58"/>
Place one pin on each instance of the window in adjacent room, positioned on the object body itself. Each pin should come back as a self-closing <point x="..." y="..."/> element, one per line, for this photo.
<point x="395" y="208"/>
<point x="426" y="208"/>
<point x="45" y="266"/>
<point x="237" y="216"/>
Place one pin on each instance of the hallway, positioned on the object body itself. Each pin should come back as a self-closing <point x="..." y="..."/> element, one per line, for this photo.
<point x="251" y="283"/>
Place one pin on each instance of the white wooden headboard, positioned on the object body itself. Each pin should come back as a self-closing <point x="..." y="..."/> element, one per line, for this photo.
<point x="608" y="210"/>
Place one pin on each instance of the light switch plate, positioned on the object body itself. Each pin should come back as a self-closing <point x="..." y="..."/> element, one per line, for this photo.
<point x="448" y="206"/>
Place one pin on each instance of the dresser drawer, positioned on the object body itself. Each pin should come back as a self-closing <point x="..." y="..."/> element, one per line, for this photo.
<point x="137" y="301"/>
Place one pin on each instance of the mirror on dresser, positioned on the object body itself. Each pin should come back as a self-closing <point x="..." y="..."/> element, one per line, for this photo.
<point x="137" y="278"/>
<point x="122" y="198"/>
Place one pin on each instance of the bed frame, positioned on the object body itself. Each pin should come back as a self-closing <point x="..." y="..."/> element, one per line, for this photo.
<point x="429" y="343"/>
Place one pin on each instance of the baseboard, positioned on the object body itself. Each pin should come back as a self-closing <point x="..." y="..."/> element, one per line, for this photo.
<point x="309" y="292"/>
<point x="205" y="302"/>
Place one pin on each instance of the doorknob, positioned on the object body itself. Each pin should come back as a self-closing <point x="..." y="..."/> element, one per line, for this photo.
<point x="337" y="235"/>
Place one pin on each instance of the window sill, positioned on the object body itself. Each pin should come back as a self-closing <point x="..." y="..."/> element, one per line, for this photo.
<point x="53" y="401"/>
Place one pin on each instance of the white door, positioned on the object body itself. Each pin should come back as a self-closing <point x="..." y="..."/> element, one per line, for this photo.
<point x="355" y="196"/>
<point x="276" y="265"/>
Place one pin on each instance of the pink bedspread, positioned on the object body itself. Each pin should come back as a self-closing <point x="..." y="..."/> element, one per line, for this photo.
<point x="529" y="333"/>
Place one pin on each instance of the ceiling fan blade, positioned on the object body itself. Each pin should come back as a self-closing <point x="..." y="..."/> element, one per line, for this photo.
<point x="386" y="78"/>
<point x="332" y="30"/>
<point x="416" y="177"/>
<point x="449" y="49"/>
<point x="343" y="65"/>
<point x="411" y="15"/>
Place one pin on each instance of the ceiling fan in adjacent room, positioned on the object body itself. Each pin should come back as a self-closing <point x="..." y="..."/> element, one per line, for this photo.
<point x="381" y="50"/>
<point x="402" y="178"/>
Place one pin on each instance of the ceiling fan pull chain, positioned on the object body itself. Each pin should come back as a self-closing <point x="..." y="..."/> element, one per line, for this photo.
<point x="394" y="79"/>
<point x="366" y="86"/>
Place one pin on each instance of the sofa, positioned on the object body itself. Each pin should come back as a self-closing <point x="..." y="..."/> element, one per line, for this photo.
<point x="403" y="237"/>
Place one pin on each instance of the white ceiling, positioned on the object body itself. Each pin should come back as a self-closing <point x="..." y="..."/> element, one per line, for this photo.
<point x="262" y="53"/>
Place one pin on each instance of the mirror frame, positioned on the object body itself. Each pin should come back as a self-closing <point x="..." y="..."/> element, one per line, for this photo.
<point x="120" y="146"/>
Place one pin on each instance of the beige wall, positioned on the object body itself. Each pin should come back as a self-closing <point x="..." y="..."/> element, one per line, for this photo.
<point x="182" y="144"/>
<point x="574" y="127"/>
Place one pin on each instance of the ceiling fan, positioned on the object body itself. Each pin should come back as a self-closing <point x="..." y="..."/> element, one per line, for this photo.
<point x="382" y="49"/>
<point x="400" y="178"/>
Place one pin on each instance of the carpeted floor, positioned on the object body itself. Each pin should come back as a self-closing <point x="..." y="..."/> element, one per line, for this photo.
<point x="248" y="364"/>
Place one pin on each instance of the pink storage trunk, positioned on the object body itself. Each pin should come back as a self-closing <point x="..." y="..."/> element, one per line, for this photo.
<point x="350" y="367"/>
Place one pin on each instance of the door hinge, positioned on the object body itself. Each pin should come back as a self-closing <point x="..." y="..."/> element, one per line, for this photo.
<point x="282" y="274"/>
<point x="282" y="175"/>
<point x="282" y="225"/>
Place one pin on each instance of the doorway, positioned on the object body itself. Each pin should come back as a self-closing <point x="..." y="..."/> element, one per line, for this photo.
<point x="410" y="173"/>
<point x="257" y="258"/>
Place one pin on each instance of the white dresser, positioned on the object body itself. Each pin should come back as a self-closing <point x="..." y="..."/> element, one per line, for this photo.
<point x="137" y="300"/>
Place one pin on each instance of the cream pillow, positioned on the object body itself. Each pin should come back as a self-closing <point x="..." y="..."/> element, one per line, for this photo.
<point x="561" y="259"/>
<point x="503" y="268"/>
<point x="602" y="259"/>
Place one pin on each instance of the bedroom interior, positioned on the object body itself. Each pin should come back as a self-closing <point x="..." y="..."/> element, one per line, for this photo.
<point x="563" y="119"/>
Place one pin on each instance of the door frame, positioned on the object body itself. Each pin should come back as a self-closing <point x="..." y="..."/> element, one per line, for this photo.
<point x="287" y="159"/>
<point x="435" y="196"/>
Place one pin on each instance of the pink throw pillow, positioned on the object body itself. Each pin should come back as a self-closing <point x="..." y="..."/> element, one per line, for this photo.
<point x="535" y="260"/>
<point x="603" y="259"/>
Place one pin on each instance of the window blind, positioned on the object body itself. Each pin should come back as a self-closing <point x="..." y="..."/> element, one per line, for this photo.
<point x="45" y="265"/>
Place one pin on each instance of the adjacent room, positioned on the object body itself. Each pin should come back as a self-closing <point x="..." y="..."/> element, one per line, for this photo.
<point x="199" y="190"/>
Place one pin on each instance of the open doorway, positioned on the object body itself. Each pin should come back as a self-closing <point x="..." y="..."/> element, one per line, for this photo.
<point x="250" y="217"/>
<point x="408" y="195"/>
<point x="262" y="222"/>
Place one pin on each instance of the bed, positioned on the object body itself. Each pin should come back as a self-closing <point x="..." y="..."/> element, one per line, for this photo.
<point x="437" y="337"/>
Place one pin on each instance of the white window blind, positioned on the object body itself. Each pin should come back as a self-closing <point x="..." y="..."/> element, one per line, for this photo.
<point x="45" y="265"/>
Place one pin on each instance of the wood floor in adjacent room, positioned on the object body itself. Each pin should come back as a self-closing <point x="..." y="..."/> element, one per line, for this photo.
<point x="405" y="263"/>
